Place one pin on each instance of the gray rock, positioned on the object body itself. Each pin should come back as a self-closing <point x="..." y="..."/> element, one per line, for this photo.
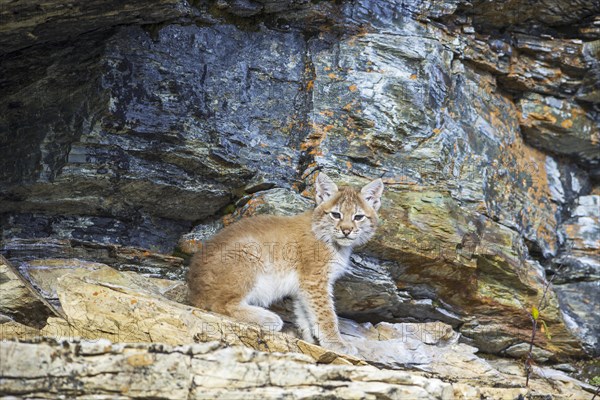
<point x="370" y="293"/>
<point x="520" y="350"/>
<point x="554" y="13"/>
<point x="278" y="201"/>
<point x="560" y="126"/>
<point x="590" y="89"/>
<point x="577" y="270"/>
<point x="580" y="304"/>
<point x="123" y="137"/>
<point x="27" y="23"/>
<point x="24" y="251"/>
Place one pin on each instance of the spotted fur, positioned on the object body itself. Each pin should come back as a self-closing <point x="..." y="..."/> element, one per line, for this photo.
<point x="259" y="260"/>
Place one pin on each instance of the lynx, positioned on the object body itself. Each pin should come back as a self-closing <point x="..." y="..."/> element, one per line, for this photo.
<point x="260" y="260"/>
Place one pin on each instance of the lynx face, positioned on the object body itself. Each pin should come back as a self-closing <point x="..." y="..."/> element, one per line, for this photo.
<point x="346" y="216"/>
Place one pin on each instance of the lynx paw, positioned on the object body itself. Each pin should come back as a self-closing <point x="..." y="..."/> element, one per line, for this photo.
<point x="264" y="319"/>
<point x="269" y="321"/>
<point x="307" y="336"/>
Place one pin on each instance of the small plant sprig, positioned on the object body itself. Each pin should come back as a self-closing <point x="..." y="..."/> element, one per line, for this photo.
<point x="535" y="320"/>
<point x="596" y="382"/>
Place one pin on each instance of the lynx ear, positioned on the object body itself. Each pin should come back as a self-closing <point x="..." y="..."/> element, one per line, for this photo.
<point x="325" y="188"/>
<point x="372" y="193"/>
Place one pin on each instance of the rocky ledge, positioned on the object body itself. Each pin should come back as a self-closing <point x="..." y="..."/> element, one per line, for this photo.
<point x="130" y="132"/>
<point x="85" y="350"/>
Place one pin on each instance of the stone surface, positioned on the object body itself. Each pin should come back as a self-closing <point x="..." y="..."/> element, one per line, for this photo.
<point x="125" y="126"/>
<point x="45" y="273"/>
<point x="101" y="304"/>
<point x="200" y="371"/>
<point x="102" y="369"/>
<point x="25" y="23"/>
<point x="105" y="303"/>
<point x="577" y="270"/>
<point x="19" y="301"/>
<point x="559" y="126"/>
<point x="123" y="258"/>
<point x="278" y="201"/>
<point x="514" y="12"/>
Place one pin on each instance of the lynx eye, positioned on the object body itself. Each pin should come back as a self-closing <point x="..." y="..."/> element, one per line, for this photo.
<point x="359" y="217"/>
<point x="336" y="215"/>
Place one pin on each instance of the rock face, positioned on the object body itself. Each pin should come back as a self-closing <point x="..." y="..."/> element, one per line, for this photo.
<point x="578" y="270"/>
<point x="131" y="129"/>
<point x="181" y="353"/>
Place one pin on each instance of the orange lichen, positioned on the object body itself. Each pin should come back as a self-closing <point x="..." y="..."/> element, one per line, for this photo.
<point x="352" y="88"/>
<point x="542" y="117"/>
<point x="567" y="123"/>
<point x="413" y="77"/>
<point x="315" y="138"/>
<point x="494" y="120"/>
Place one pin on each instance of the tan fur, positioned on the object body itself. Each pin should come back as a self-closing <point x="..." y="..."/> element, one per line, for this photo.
<point x="259" y="260"/>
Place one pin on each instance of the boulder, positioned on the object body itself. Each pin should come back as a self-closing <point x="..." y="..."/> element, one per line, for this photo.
<point x="104" y="303"/>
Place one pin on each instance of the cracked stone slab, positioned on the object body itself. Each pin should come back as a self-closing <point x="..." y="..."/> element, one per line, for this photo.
<point x="20" y="301"/>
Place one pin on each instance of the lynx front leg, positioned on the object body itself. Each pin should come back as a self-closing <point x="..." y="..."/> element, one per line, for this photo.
<point x="303" y="321"/>
<point x="317" y="301"/>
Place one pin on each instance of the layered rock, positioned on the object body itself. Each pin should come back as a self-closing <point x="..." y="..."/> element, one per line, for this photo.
<point x="209" y="371"/>
<point x="559" y="126"/>
<point x="101" y="304"/>
<point x="577" y="270"/>
<point x="27" y="253"/>
<point x="27" y="23"/>
<point x="123" y="137"/>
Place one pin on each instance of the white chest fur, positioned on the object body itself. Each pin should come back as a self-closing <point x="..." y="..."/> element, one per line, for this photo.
<point x="340" y="263"/>
<point x="271" y="287"/>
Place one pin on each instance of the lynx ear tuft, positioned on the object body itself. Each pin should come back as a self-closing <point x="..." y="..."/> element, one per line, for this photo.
<point x="372" y="193"/>
<point x="325" y="188"/>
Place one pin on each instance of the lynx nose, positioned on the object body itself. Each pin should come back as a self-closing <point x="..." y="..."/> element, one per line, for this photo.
<point x="346" y="231"/>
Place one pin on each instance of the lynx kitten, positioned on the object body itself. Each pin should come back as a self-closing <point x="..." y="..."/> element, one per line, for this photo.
<point x="257" y="261"/>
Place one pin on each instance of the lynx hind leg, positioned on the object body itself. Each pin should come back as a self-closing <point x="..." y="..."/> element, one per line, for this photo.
<point x="254" y="315"/>
<point x="303" y="322"/>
